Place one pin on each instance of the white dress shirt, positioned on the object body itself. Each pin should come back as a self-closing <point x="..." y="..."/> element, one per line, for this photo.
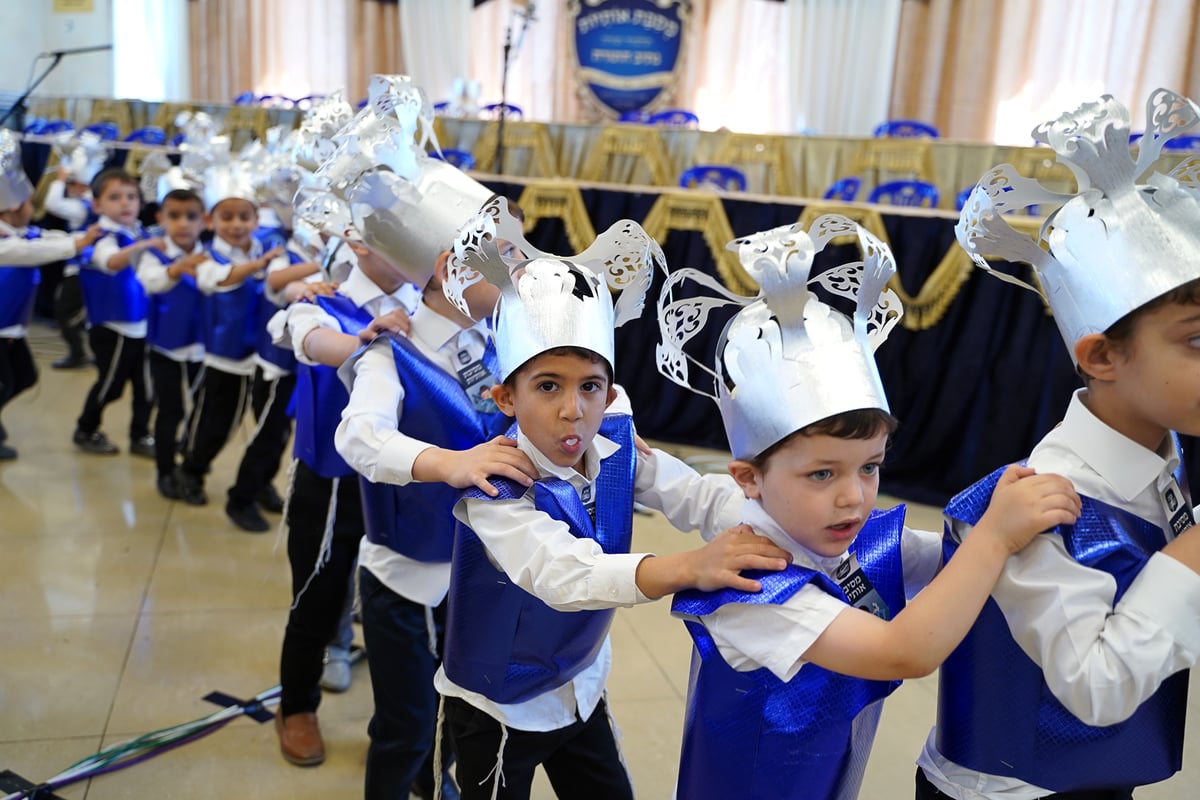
<point x="155" y="279"/>
<point x="17" y="251"/>
<point x="72" y="210"/>
<point x="209" y="275"/>
<point x="540" y="554"/>
<point x="105" y="248"/>
<point x="1100" y="660"/>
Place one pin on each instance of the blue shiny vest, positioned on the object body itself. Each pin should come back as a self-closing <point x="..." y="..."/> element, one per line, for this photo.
<point x="505" y="643"/>
<point x="231" y="320"/>
<point x="320" y="397"/>
<point x="174" y="315"/>
<point x="18" y="289"/>
<point x="995" y="712"/>
<point x="750" y="735"/>
<point x="415" y="520"/>
<point x="282" y="357"/>
<point x="112" y="296"/>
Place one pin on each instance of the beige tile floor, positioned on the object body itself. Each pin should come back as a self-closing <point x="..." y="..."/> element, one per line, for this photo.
<point x="120" y="610"/>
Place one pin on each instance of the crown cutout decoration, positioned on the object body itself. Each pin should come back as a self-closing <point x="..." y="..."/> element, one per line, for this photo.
<point x="81" y="155"/>
<point x="15" y="187"/>
<point x="786" y="359"/>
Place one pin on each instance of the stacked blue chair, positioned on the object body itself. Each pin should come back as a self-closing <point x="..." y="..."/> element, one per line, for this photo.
<point x="906" y="129"/>
<point x="1183" y="143"/>
<point x="463" y="159"/>
<point x="844" y="189"/>
<point x="107" y="131"/>
<point x="440" y="108"/>
<point x="276" y="101"/>
<point x="46" y="127"/>
<point x="634" y="116"/>
<point x="308" y="101"/>
<point x="713" y="176"/>
<point x="961" y="198"/>
<point x="245" y="99"/>
<point x="147" y="134"/>
<point x="905" y="193"/>
<point x="675" y="118"/>
<point x="492" y="111"/>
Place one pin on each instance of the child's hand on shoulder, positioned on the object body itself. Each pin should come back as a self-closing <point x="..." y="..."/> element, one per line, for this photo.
<point x="307" y="292"/>
<point x="89" y="237"/>
<point x="155" y="242"/>
<point x="719" y="563"/>
<point x="273" y="253"/>
<point x="186" y="265"/>
<point x="1025" y="503"/>
<point x="464" y="468"/>
<point x="395" y="321"/>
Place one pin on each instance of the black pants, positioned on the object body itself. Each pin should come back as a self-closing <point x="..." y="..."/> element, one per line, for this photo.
<point x="927" y="791"/>
<point x="313" y="621"/>
<point x="70" y="315"/>
<point x="264" y="451"/>
<point x="581" y="760"/>
<point x="219" y="409"/>
<point x="172" y="381"/>
<point x="120" y="360"/>
<point x="402" y="665"/>
<point x="17" y="371"/>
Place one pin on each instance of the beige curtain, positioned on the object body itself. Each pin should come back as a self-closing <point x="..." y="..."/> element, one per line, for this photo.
<point x="223" y="49"/>
<point x="992" y="70"/>
<point x="375" y="44"/>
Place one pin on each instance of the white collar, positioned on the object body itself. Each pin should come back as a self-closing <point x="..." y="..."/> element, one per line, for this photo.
<point x="435" y="330"/>
<point x="173" y="250"/>
<point x="224" y="248"/>
<point x="754" y="515"/>
<point x="600" y="449"/>
<point x="1127" y="466"/>
<point x="109" y="224"/>
<point x="358" y="288"/>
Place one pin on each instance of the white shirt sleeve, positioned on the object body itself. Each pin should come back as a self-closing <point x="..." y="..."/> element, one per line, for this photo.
<point x="17" y="251"/>
<point x="277" y="263"/>
<point x="104" y="249"/>
<point x="71" y="209"/>
<point x="368" y="436"/>
<point x="209" y="274"/>
<point x="152" y="274"/>
<point x="1100" y="661"/>
<point x="921" y="558"/>
<point x="689" y="500"/>
<point x="288" y="327"/>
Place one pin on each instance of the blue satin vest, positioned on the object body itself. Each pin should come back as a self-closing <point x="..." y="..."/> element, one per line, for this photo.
<point x="749" y="734"/>
<point x="505" y="643"/>
<point x="995" y="712"/>
<point x="112" y="296"/>
<point x="18" y="289"/>
<point x="231" y="321"/>
<point x="320" y="397"/>
<point x="268" y="351"/>
<point x="415" y="520"/>
<point x="174" y="317"/>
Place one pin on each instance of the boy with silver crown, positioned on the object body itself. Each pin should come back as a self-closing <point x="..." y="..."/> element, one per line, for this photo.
<point x="523" y="678"/>
<point x="1072" y="683"/>
<point x="788" y="683"/>
<point x="22" y="249"/>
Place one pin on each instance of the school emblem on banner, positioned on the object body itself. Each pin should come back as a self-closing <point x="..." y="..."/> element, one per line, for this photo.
<point x="628" y="53"/>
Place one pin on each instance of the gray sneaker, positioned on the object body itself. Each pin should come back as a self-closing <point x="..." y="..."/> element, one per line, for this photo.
<point x="336" y="675"/>
<point x="94" y="442"/>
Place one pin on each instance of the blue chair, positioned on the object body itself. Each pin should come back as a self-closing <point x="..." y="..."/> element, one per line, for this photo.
<point x="961" y="198"/>
<point x="492" y="111"/>
<point x="46" y="127"/>
<point x="906" y="129"/>
<point x="308" y="101"/>
<point x="361" y="104"/>
<point x="276" y="101"/>
<point x="844" y="189"/>
<point x="148" y="134"/>
<point x="640" y="117"/>
<point x="245" y="99"/>
<point x="675" y="118"/>
<point x="463" y="159"/>
<point x="905" y="193"/>
<point x="178" y="139"/>
<point x="441" y="108"/>
<point x="107" y="131"/>
<point x="713" y="176"/>
<point x="1183" y="143"/>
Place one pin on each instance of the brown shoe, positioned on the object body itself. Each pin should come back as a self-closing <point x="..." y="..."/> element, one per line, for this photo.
<point x="300" y="738"/>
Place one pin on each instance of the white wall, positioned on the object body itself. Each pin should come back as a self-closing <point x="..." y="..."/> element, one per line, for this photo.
<point x="31" y="27"/>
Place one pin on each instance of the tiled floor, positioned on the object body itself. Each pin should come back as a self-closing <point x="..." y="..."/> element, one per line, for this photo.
<point x="120" y="610"/>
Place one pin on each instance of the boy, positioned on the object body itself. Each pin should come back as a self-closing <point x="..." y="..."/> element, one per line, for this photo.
<point x="523" y="681"/>
<point x="22" y="247"/>
<point x="1071" y="683"/>
<point x="116" y="308"/>
<point x="788" y="684"/>
<point x="174" y="332"/>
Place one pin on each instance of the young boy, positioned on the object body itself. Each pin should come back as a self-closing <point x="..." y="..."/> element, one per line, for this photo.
<point x="523" y="680"/>
<point x="116" y="307"/>
<point x="788" y="684"/>
<point x="22" y="247"/>
<point x="1072" y="682"/>
<point x="175" y="334"/>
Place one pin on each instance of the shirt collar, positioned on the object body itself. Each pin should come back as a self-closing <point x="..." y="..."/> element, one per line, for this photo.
<point x="754" y="515"/>
<point x="359" y="288"/>
<point x="174" y="251"/>
<point x="1127" y="466"/>
<point x="226" y="249"/>
<point x="600" y="449"/>
<point x="109" y="224"/>
<point x="435" y="331"/>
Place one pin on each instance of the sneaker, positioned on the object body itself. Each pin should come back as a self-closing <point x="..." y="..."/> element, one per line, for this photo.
<point x="94" y="442"/>
<point x="142" y="446"/>
<point x="335" y="677"/>
<point x="269" y="500"/>
<point x="73" y="362"/>
<point x="190" y="489"/>
<point x="247" y="517"/>
<point x="168" y="487"/>
<point x="7" y="453"/>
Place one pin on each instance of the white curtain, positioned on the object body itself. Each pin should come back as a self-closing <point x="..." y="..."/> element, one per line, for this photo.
<point x="435" y="44"/>
<point x="300" y="46"/>
<point x="150" y="49"/>
<point x="539" y="80"/>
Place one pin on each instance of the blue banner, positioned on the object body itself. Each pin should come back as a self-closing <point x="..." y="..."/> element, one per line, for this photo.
<point x="628" y="52"/>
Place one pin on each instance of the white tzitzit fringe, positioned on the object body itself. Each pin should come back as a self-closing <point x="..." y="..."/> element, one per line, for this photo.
<point x="287" y="504"/>
<point x="431" y="633"/>
<point x="498" y="769"/>
<point x="437" y="749"/>
<point x="326" y="540"/>
<point x="618" y="737"/>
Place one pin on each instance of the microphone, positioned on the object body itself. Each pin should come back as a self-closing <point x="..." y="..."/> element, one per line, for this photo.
<point x="73" y="50"/>
<point x="527" y="16"/>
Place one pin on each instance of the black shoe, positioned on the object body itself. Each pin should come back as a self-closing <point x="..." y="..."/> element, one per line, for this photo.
<point x="269" y="500"/>
<point x="422" y="787"/>
<point x="169" y="488"/>
<point x="3" y="433"/>
<point x="142" y="446"/>
<point x="8" y="453"/>
<point x="247" y="517"/>
<point x="94" y="442"/>
<point x="191" y="489"/>
<point x="73" y="362"/>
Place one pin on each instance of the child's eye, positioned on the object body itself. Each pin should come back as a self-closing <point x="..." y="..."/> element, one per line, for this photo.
<point x="870" y="469"/>
<point x="821" y="475"/>
<point x="591" y="386"/>
<point x="547" y="386"/>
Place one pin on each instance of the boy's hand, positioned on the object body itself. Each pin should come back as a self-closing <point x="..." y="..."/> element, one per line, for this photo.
<point x="309" y="292"/>
<point x="640" y="444"/>
<point x="157" y="242"/>
<point x="1025" y="503"/>
<point x="464" y="468"/>
<point x="272" y="254"/>
<point x="185" y="265"/>
<point x="719" y="563"/>
<point x="395" y="321"/>
<point x="89" y="237"/>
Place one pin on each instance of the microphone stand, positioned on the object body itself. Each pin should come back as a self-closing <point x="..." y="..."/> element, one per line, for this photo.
<point x="18" y="108"/>
<point x="526" y="17"/>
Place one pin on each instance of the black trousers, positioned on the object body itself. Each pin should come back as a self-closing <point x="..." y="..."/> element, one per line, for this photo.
<point x="219" y="409"/>
<point x="927" y="791"/>
<point x="120" y="360"/>
<point x="269" y="401"/>
<point x="70" y="315"/>
<point x="581" y="760"/>
<point x="172" y="381"/>
<point x="313" y="620"/>
<point x="17" y="371"/>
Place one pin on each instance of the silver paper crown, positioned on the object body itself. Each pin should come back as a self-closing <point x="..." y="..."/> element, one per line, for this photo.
<point x="1116" y="244"/>
<point x="786" y="359"/>
<point x="549" y="301"/>
<point x="81" y="155"/>
<point x="15" y="187"/>
<point x="228" y="177"/>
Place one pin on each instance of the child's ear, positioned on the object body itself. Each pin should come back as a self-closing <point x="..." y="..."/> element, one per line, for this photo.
<point x="503" y="399"/>
<point x="612" y="395"/>
<point x="441" y="267"/>
<point x="747" y="476"/>
<point x="1096" y="355"/>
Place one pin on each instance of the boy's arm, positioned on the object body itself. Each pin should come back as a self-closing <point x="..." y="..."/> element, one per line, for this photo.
<point x="689" y="500"/>
<point x="157" y="277"/>
<point x="277" y="279"/>
<point x="313" y="335"/>
<point x="17" y="251"/>
<point x="71" y="209"/>
<point x="111" y="258"/>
